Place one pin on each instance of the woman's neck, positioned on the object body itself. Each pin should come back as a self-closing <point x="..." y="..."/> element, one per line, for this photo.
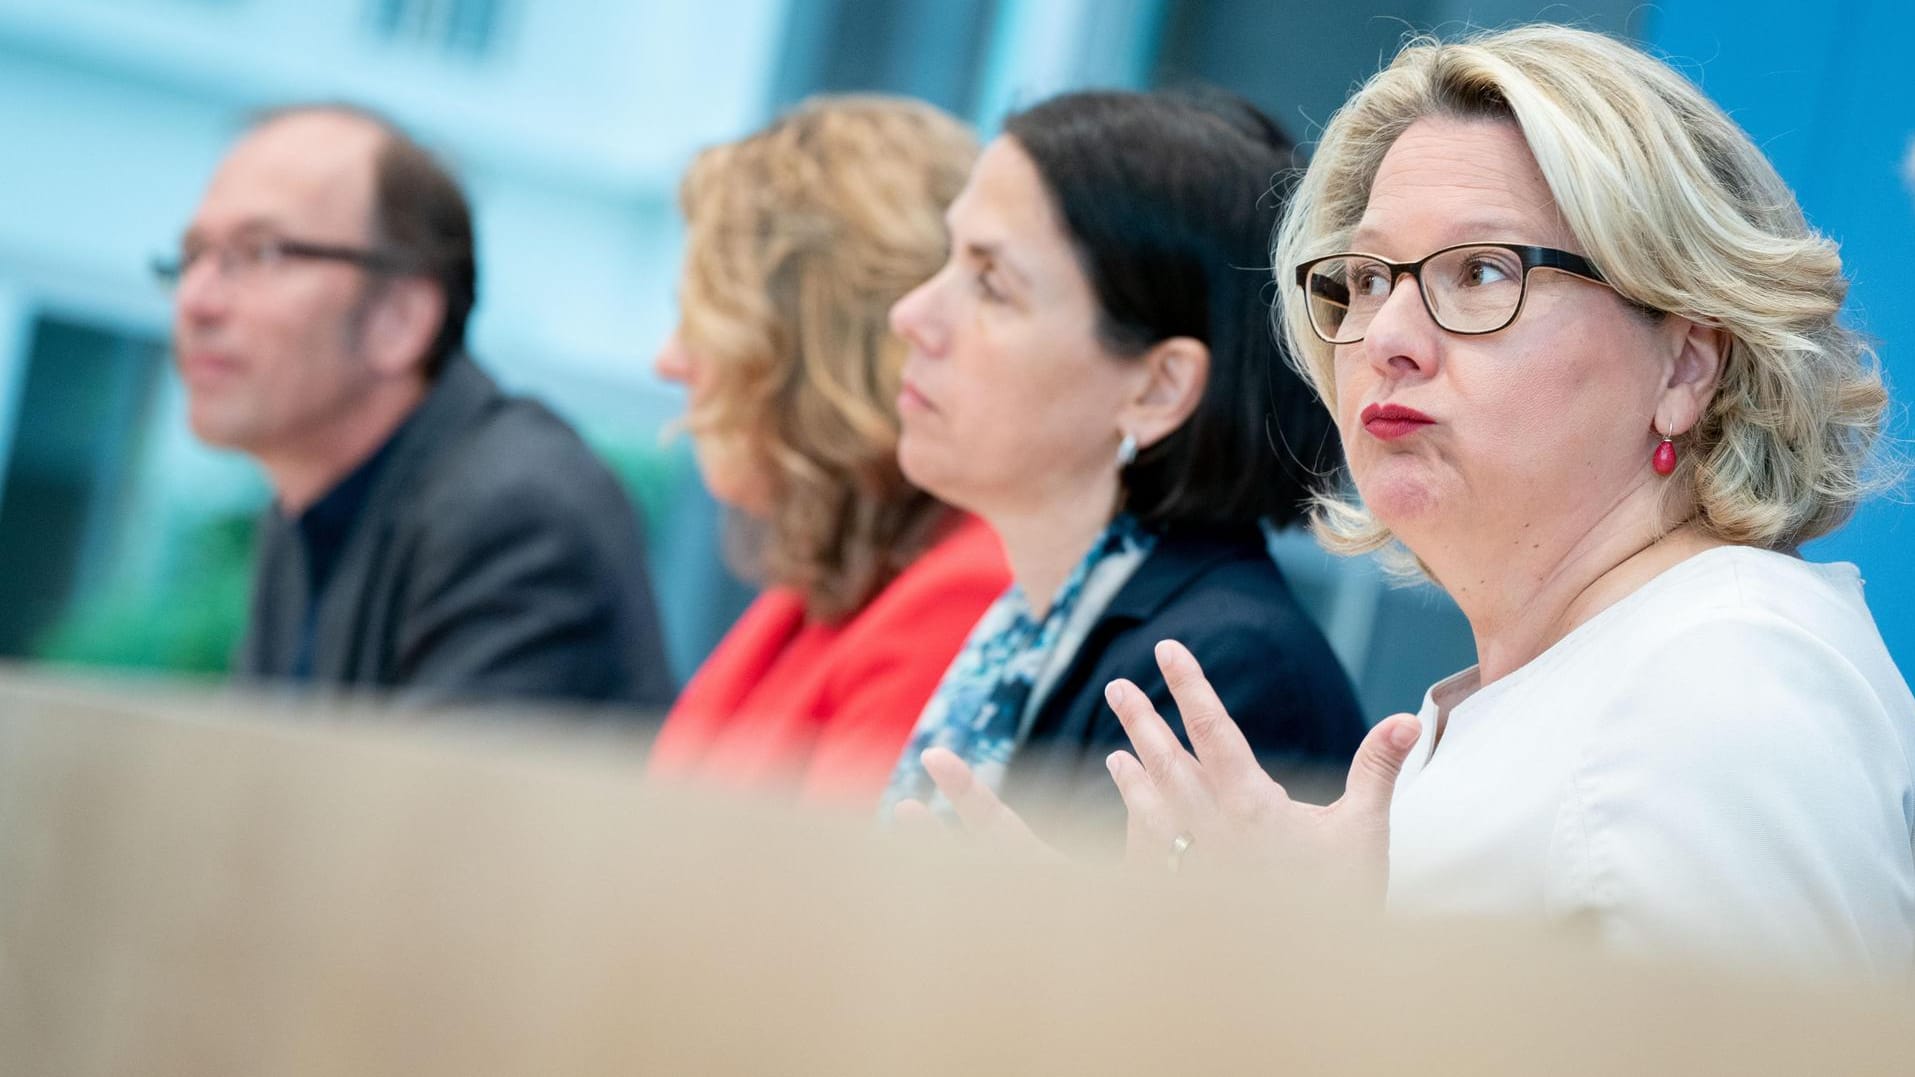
<point x="1522" y="596"/>
<point x="1043" y="544"/>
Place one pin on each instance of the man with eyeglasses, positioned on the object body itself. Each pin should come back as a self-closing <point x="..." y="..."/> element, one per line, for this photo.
<point x="430" y="537"/>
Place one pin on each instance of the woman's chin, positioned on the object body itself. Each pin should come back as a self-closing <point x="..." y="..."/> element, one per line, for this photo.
<point x="923" y="466"/>
<point x="731" y="482"/>
<point x="1398" y="499"/>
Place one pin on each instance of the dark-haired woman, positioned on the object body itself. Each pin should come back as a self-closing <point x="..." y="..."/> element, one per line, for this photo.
<point x="1093" y="374"/>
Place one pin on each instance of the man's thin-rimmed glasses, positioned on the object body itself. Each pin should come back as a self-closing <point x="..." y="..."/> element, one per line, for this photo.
<point x="250" y="255"/>
<point x="1469" y="289"/>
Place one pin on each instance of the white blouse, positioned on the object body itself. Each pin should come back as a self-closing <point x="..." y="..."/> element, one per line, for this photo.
<point x="1721" y="765"/>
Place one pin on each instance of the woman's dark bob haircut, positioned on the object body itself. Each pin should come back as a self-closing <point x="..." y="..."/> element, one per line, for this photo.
<point x="1170" y="200"/>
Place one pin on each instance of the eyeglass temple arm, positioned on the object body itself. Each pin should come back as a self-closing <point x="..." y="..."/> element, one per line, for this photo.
<point x="1322" y="286"/>
<point x="1550" y="258"/>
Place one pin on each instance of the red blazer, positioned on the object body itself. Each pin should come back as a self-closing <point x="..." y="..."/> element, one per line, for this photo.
<point x="786" y="703"/>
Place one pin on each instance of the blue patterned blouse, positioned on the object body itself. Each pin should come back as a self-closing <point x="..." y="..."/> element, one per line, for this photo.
<point x="981" y="707"/>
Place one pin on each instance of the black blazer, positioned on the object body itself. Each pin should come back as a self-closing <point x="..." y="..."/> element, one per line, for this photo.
<point x="1221" y="596"/>
<point x="496" y="557"/>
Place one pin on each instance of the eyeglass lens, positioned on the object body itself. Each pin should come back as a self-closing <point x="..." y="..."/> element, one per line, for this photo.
<point x="236" y="257"/>
<point x="1467" y="290"/>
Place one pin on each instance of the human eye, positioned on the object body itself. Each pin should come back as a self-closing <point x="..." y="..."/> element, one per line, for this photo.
<point x="191" y="250"/>
<point x="986" y="287"/>
<point x="1367" y="278"/>
<point x="256" y="250"/>
<point x="1482" y="268"/>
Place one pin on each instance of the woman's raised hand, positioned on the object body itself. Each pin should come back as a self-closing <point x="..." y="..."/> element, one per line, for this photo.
<point x="979" y="809"/>
<point x="1219" y="806"/>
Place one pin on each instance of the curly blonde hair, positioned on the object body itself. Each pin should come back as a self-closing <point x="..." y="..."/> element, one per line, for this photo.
<point x="1683" y="214"/>
<point x="801" y="237"/>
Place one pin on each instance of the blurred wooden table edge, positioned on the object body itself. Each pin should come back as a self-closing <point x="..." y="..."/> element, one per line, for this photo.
<point x="203" y="883"/>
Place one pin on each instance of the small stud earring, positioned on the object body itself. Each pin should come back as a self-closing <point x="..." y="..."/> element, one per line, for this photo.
<point x="1127" y="450"/>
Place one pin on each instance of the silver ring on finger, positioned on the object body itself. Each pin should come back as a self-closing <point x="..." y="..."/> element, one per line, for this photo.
<point x="1180" y="845"/>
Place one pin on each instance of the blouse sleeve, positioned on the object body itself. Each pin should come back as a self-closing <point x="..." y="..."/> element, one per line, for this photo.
<point x="1746" y="792"/>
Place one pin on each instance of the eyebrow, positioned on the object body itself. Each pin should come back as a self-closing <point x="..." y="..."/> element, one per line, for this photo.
<point x="994" y="253"/>
<point x="247" y="225"/>
<point x="1489" y="229"/>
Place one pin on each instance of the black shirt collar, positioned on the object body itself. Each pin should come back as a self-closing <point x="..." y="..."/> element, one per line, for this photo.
<point x="327" y="523"/>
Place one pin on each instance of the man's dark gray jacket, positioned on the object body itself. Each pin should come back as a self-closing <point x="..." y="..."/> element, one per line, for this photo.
<point x="495" y="558"/>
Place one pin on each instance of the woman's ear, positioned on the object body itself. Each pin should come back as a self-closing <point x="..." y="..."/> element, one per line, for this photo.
<point x="1696" y="355"/>
<point x="1175" y="373"/>
<point x="401" y="324"/>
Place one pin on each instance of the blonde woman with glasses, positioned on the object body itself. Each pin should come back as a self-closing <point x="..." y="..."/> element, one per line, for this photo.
<point x="1583" y="352"/>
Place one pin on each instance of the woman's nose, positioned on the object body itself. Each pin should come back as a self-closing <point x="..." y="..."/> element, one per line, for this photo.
<point x="914" y="318"/>
<point x="1402" y="338"/>
<point x="672" y="363"/>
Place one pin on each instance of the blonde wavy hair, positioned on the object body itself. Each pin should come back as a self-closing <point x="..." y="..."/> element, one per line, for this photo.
<point x="1683" y="214"/>
<point x="801" y="236"/>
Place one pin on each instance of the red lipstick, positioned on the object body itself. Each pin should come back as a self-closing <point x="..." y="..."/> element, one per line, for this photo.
<point x="1387" y="422"/>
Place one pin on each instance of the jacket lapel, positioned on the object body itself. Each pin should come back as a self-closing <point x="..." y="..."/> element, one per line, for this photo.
<point x="1177" y="560"/>
<point x="342" y="649"/>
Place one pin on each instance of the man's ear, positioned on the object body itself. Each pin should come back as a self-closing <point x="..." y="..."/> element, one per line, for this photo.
<point x="1175" y="372"/>
<point x="1696" y="356"/>
<point x="401" y="323"/>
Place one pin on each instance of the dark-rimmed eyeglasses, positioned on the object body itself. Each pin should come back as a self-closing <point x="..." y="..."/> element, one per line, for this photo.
<point x="1469" y="289"/>
<point x="250" y="255"/>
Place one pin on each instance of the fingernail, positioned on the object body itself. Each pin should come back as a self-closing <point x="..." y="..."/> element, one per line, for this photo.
<point x="1110" y="763"/>
<point x="1169" y="651"/>
<point x="1114" y="693"/>
<point x="1403" y="735"/>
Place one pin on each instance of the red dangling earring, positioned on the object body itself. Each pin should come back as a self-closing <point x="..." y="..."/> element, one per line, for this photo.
<point x="1665" y="459"/>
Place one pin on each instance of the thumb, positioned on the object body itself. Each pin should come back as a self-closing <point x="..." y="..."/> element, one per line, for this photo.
<point x="1378" y="761"/>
